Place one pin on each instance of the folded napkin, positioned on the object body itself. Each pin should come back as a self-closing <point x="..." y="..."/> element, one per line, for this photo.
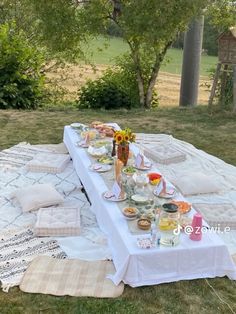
<point x="117" y="187"/>
<point x="48" y="162"/>
<point x="218" y="215"/>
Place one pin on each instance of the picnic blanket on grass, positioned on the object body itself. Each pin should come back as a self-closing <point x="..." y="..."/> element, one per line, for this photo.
<point x="17" y="249"/>
<point x="90" y="245"/>
<point x="70" y="277"/>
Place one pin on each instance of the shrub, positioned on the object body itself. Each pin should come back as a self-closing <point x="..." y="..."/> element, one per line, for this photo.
<point x="103" y="93"/>
<point x="117" y="88"/>
<point x="21" y="70"/>
<point x="128" y="80"/>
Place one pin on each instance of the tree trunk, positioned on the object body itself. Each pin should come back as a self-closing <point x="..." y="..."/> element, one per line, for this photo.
<point x="141" y="90"/>
<point x="191" y="63"/>
<point x="151" y="85"/>
<point x="135" y="56"/>
<point x="153" y="77"/>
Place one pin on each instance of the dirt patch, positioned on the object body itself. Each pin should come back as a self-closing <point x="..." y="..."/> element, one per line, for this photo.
<point x="167" y="87"/>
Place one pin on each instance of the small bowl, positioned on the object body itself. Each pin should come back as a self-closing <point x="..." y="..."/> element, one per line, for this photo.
<point x="144" y="223"/>
<point x="154" y="178"/>
<point x="130" y="212"/>
<point x="129" y="173"/>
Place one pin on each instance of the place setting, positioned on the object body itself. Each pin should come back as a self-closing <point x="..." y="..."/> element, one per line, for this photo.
<point x="142" y="163"/>
<point x="117" y="193"/>
<point x="100" y="168"/>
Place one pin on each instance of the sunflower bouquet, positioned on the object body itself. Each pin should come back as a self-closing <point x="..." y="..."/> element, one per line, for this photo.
<point x="124" y="137"/>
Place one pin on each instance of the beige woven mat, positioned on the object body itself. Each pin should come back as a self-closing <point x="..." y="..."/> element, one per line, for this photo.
<point x="70" y="277"/>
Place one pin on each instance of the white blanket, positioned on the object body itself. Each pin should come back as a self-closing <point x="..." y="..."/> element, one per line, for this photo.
<point x="199" y="162"/>
<point x="90" y="245"/>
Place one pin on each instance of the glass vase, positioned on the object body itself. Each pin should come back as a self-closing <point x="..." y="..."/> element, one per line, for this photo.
<point x="123" y="153"/>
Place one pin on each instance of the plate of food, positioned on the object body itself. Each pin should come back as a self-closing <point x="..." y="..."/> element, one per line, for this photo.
<point x="97" y="152"/>
<point x="129" y="171"/>
<point x="109" y="196"/>
<point x="139" y="199"/>
<point x="130" y="213"/>
<point x="91" y="133"/>
<point x="100" y="167"/>
<point x="98" y="144"/>
<point x="107" y="160"/>
<point x="183" y="207"/>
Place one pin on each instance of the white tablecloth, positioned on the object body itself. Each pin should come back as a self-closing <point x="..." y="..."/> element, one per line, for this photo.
<point x="207" y="258"/>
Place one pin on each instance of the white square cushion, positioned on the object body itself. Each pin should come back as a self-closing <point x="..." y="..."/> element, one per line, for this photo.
<point x="193" y="183"/>
<point x="220" y="216"/>
<point x="58" y="221"/>
<point x="48" y="162"/>
<point x="36" y="196"/>
<point x="163" y="154"/>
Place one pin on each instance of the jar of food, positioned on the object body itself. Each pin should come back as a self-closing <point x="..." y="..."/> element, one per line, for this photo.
<point x="169" y="220"/>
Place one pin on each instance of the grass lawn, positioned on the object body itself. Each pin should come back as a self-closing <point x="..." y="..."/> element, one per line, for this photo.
<point x="116" y="46"/>
<point x="214" y="134"/>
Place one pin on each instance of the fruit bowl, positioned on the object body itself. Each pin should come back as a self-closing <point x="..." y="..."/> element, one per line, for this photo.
<point x="154" y="178"/>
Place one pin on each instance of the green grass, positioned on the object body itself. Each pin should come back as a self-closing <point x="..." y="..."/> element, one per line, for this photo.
<point x="116" y="46"/>
<point x="212" y="133"/>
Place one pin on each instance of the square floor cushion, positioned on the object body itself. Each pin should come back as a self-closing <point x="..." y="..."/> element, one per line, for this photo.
<point x="193" y="183"/>
<point x="36" y="196"/>
<point x="58" y="221"/>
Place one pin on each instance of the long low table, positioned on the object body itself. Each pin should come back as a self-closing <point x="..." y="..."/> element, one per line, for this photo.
<point x="207" y="258"/>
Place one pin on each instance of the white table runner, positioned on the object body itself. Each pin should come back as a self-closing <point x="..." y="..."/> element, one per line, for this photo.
<point x="135" y="266"/>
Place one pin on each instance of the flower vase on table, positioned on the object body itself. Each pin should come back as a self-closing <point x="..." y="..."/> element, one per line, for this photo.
<point x="122" y="139"/>
<point x="123" y="153"/>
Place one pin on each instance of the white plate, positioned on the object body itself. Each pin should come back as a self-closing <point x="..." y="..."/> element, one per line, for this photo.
<point x="100" y="168"/>
<point x="78" y="125"/>
<point x="97" y="152"/>
<point x="166" y="195"/>
<point x="134" y="215"/>
<point x="112" y="198"/>
<point x="82" y="144"/>
<point x="139" y="198"/>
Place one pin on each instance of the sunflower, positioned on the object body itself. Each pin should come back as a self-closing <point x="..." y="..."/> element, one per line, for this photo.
<point x="126" y="138"/>
<point x="119" y="138"/>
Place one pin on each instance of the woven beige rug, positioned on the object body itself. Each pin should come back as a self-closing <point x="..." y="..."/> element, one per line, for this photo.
<point x="70" y="277"/>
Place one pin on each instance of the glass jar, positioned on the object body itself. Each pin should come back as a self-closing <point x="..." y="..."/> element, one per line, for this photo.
<point x="169" y="220"/>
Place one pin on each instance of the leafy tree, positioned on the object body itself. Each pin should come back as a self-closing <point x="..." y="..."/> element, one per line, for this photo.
<point x="222" y="14"/>
<point x="149" y="28"/>
<point x="22" y="80"/>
